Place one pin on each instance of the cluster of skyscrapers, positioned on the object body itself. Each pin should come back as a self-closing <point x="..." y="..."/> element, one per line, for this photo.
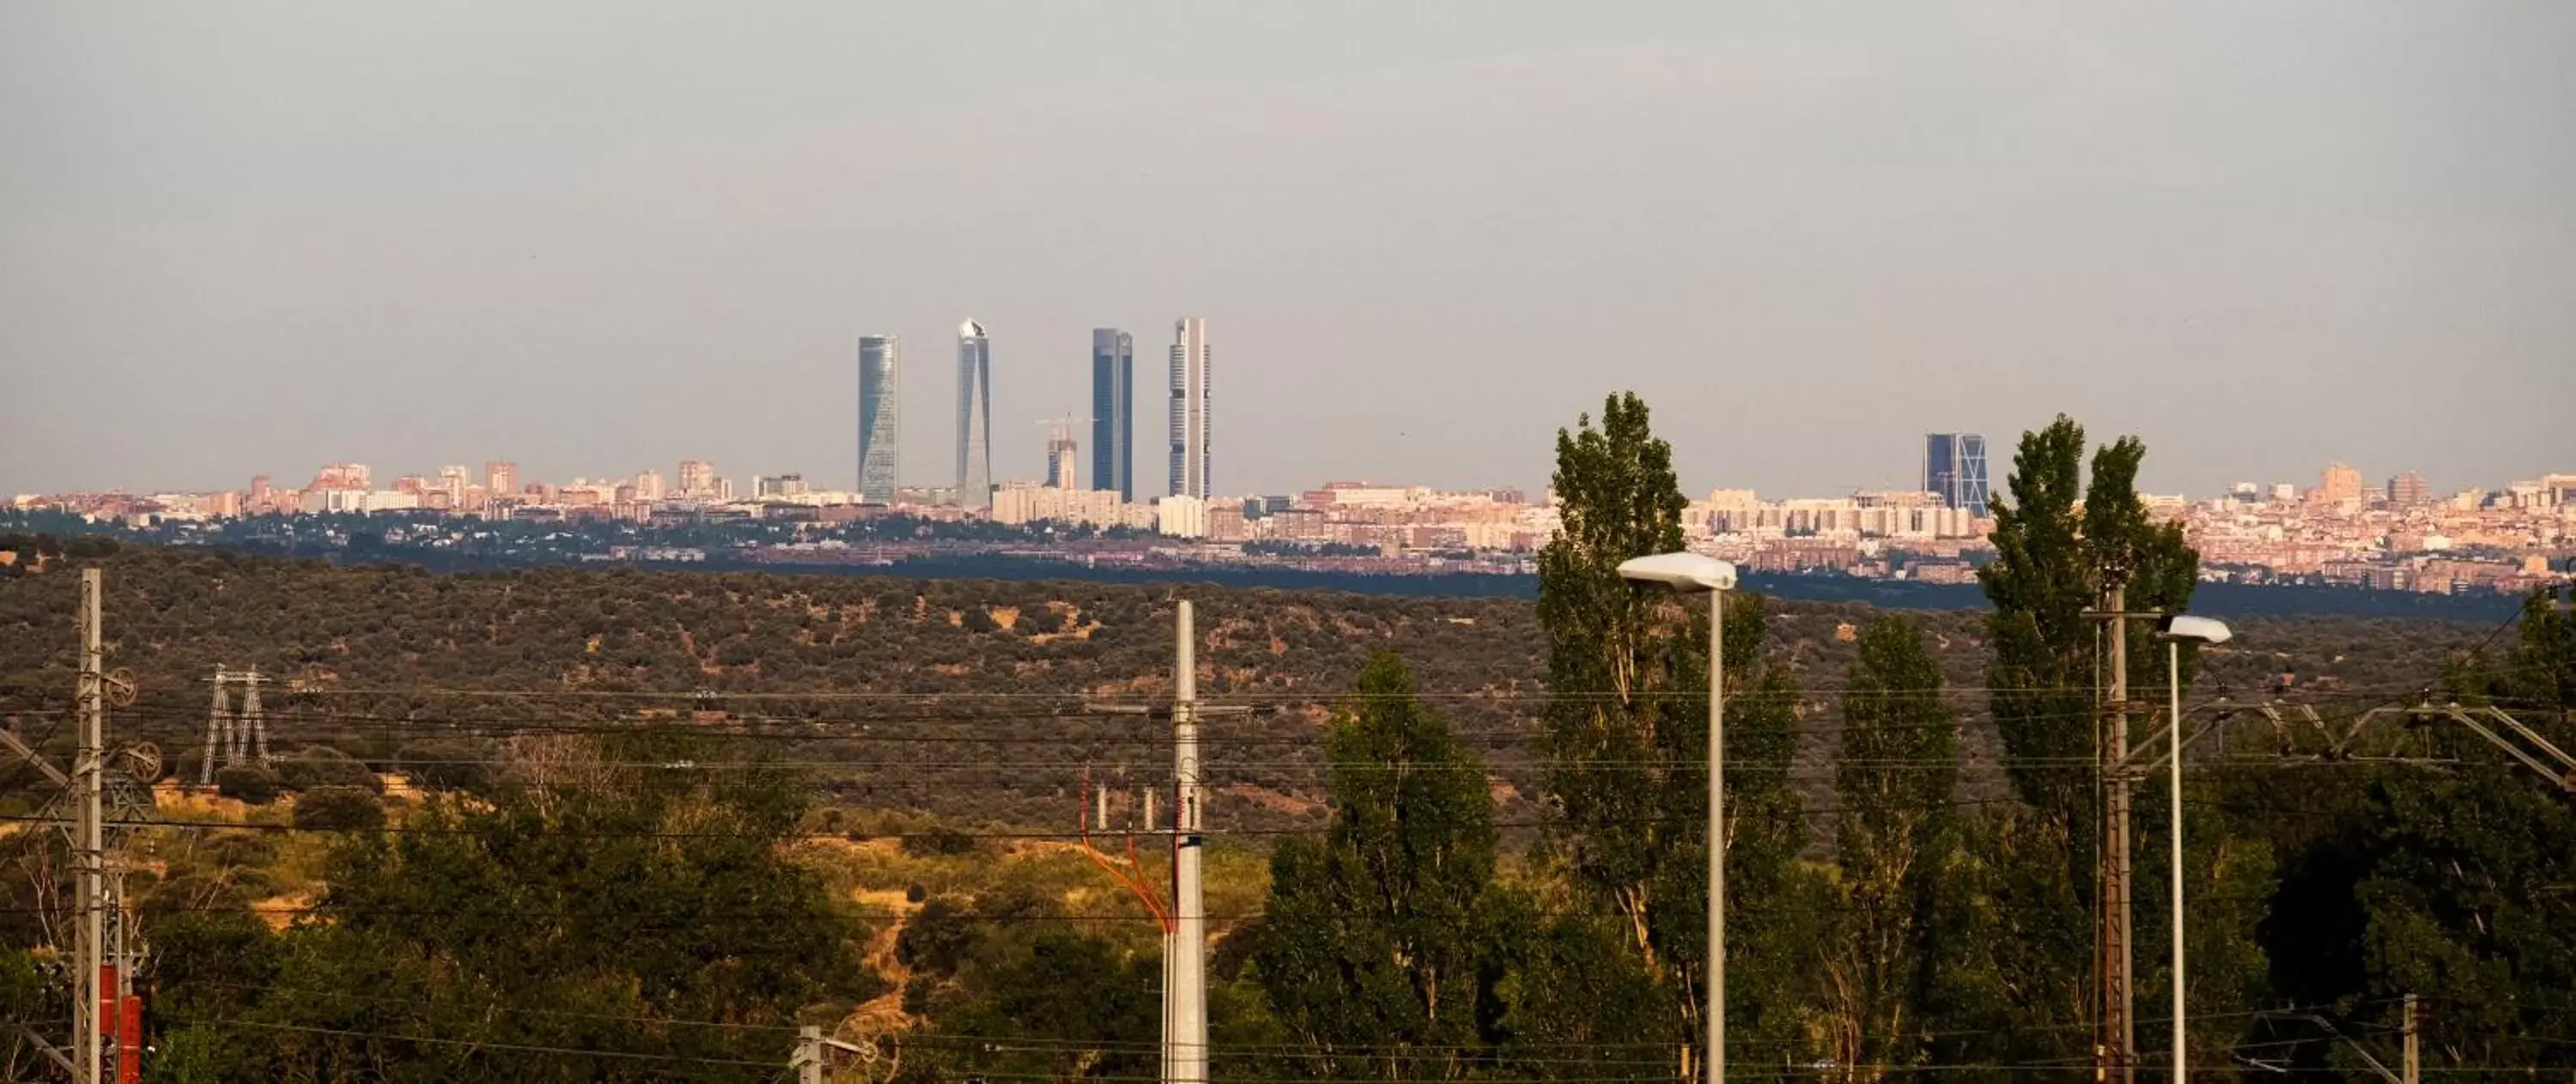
<point x="1113" y="416"/>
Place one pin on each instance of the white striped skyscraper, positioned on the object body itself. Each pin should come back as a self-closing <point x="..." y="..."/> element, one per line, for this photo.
<point x="1189" y="418"/>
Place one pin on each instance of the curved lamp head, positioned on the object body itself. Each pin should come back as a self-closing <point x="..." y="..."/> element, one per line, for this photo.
<point x="2193" y="630"/>
<point x="1689" y="573"/>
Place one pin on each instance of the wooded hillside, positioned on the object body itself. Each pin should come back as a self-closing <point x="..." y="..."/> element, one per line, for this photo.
<point x="952" y="696"/>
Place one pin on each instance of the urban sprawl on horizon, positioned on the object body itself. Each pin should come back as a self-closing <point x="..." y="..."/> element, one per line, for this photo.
<point x="2400" y="535"/>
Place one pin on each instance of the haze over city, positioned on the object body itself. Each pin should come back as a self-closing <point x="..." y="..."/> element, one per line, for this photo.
<point x="1162" y="541"/>
<point x="256" y="238"/>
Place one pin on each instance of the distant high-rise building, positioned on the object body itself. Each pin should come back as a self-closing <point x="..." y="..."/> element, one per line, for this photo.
<point x="1113" y="411"/>
<point x="2342" y="482"/>
<point x="698" y="479"/>
<point x="2408" y="490"/>
<point x="453" y="480"/>
<point x="1189" y="417"/>
<point x="650" y="486"/>
<point x="501" y="477"/>
<point x="1063" y="470"/>
<point x="342" y="476"/>
<point x="1954" y="466"/>
<point x="974" y="417"/>
<point x="879" y="472"/>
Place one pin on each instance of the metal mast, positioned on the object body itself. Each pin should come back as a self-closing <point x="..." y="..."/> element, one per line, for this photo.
<point x="219" y="716"/>
<point x="2116" y="1051"/>
<point x="251" y="719"/>
<point x="89" y="851"/>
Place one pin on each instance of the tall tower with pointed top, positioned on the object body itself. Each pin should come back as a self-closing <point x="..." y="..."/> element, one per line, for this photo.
<point x="974" y="417"/>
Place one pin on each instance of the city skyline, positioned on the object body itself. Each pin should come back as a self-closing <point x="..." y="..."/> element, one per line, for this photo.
<point x="2395" y="537"/>
<point x="591" y="250"/>
<point x="2330" y="480"/>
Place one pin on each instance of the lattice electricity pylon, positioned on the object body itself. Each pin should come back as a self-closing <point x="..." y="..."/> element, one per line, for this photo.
<point x="125" y="784"/>
<point x="238" y="737"/>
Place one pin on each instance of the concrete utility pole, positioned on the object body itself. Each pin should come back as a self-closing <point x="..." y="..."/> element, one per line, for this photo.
<point x="1185" y="1047"/>
<point x="89" y="852"/>
<point x="809" y="1054"/>
<point x="1187" y="1042"/>
<point x="811" y="1045"/>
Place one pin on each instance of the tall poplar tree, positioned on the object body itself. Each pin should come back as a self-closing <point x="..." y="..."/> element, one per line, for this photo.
<point x="1371" y="955"/>
<point x="1893" y="832"/>
<point x="2061" y="539"/>
<point x="1627" y="733"/>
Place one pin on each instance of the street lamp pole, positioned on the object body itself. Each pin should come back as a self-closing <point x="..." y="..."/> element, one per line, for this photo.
<point x="1692" y="573"/>
<point x="2173" y="777"/>
<point x="1717" y="836"/>
<point x="2174" y="630"/>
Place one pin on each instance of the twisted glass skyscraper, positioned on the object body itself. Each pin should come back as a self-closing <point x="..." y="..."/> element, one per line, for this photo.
<point x="879" y="425"/>
<point x="1113" y="412"/>
<point x="974" y="417"/>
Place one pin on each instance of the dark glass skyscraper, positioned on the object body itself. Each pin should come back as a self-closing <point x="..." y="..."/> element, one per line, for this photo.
<point x="1113" y="412"/>
<point x="1954" y="466"/>
<point x="878" y="420"/>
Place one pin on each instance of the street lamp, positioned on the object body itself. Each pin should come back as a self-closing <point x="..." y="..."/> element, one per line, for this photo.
<point x="2176" y="630"/>
<point x="1690" y="574"/>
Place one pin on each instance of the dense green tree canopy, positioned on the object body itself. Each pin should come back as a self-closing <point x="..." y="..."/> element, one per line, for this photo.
<point x="643" y="926"/>
<point x="1627" y="737"/>
<point x="1376" y="953"/>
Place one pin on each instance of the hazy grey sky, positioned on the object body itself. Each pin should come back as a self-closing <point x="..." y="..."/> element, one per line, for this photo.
<point x="256" y="237"/>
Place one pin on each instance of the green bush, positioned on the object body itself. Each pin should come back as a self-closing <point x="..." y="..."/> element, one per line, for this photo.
<point x="317" y="766"/>
<point x="448" y="765"/>
<point x="340" y="809"/>
<point x="938" y="841"/>
<point x="242" y="782"/>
